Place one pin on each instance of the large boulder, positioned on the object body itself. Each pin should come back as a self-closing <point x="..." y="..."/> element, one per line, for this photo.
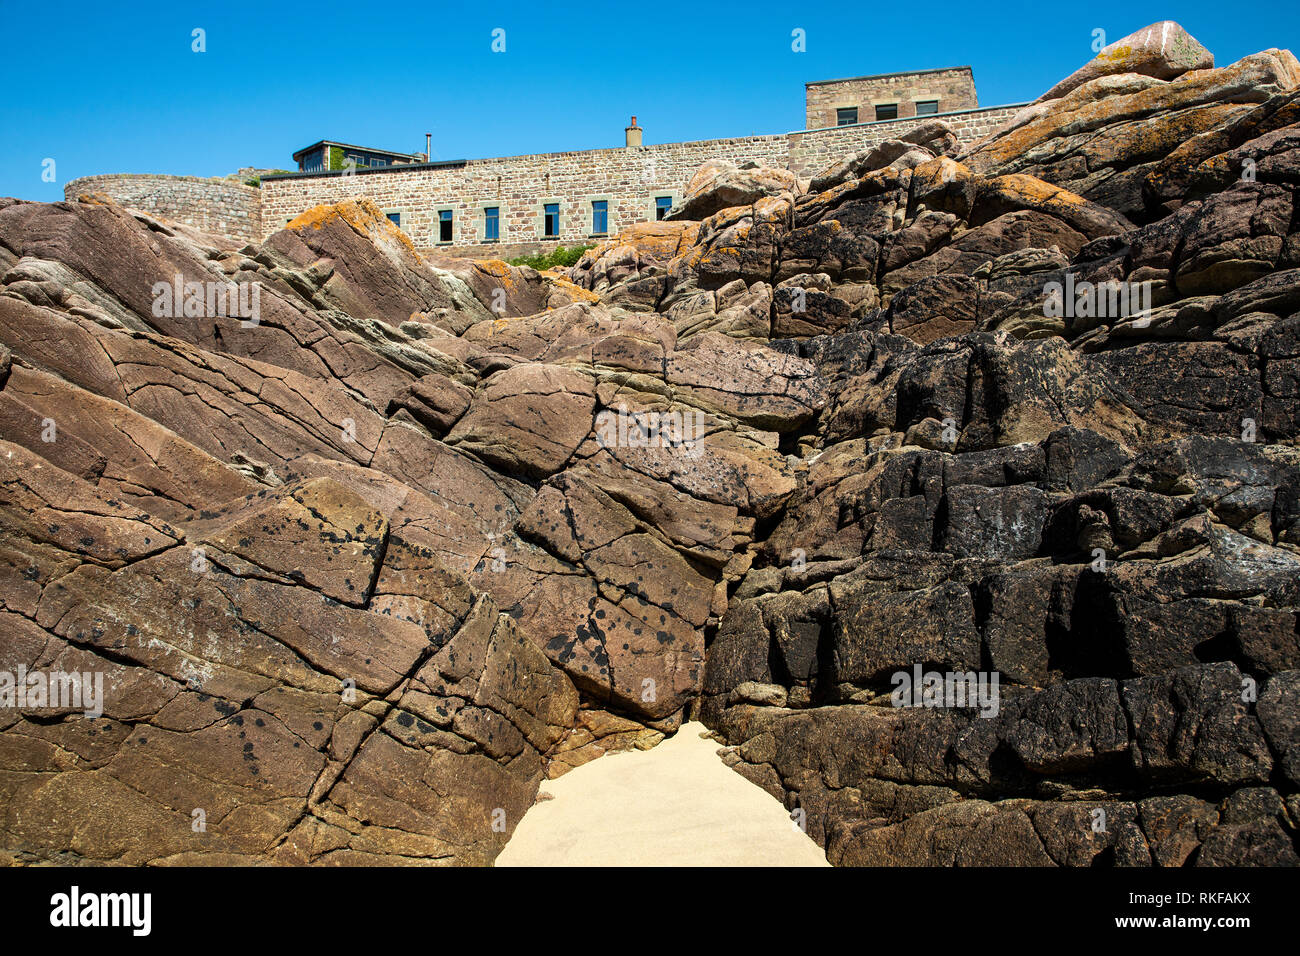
<point x="1162" y="50"/>
<point x="720" y="184"/>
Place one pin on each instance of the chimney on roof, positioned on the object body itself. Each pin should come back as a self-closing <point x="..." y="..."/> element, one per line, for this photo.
<point x="633" y="133"/>
<point x="428" y="146"/>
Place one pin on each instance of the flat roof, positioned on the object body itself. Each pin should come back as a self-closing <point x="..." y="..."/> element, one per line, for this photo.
<point x="368" y="170"/>
<point x="364" y="149"/>
<point x="885" y="76"/>
<point x="435" y="164"/>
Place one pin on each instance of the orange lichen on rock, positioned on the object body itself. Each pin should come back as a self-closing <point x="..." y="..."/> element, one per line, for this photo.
<point x="657" y="240"/>
<point x="1089" y="108"/>
<point x="498" y="270"/>
<point x="1031" y="191"/>
<point x="561" y="283"/>
<point x="360" y="214"/>
<point x="1116" y="54"/>
<point x="1161" y="50"/>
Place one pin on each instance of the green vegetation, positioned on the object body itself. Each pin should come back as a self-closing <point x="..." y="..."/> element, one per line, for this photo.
<point x="256" y="181"/>
<point x="558" y="257"/>
<point x="338" y="160"/>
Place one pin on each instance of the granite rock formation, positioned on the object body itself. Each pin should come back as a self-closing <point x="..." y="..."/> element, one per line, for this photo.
<point x="361" y="568"/>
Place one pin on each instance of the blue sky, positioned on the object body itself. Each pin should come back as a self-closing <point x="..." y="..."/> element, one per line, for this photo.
<point x="107" y="88"/>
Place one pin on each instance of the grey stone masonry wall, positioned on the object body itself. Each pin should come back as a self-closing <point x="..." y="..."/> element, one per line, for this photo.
<point x="628" y="178"/>
<point x="230" y="209"/>
<point x="953" y="88"/>
<point x="813" y="150"/>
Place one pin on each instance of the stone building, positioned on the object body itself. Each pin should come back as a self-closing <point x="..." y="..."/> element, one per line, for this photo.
<point x="887" y="96"/>
<point x="517" y="205"/>
<point x="328" y="154"/>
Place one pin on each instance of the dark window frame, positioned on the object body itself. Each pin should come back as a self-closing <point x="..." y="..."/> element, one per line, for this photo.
<point x="927" y="112"/>
<point x="550" y="230"/>
<point x="662" y="209"/>
<point x="886" y="107"/>
<point x="842" y="120"/>
<point x="446" y="226"/>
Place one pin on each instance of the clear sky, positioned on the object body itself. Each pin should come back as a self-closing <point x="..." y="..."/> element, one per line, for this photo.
<point x="116" y="87"/>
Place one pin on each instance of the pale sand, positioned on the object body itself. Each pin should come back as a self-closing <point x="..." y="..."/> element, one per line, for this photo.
<point x="677" y="804"/>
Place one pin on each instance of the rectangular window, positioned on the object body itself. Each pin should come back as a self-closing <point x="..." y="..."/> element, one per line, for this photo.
<point x="551" y="226"/>
<point x="846" y="117"/>
<point x="887" y="111"/>
<point x="444" y="225"/>
<point x="600" y="216"/>
<point x="395" y="218"/>
<point x="927" y="107"/>
<point x="492" y="223"/>
<point x="663" y="206"/>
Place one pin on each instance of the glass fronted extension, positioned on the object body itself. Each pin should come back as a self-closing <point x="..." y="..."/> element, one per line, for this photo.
<point x="328" y="155"/>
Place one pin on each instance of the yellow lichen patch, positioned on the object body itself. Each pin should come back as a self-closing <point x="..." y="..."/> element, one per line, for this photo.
<point x="1116" y="54"/>
<point x="1220" y="165"/>
<point x="350" y="211"/>
<point x="496" y="270"/>
<point x="95" y="199"/>
<point x="361" y="215"/>
<point x="770" y="208"/>
<point x="693" y="258"/>
<point x="574" y="292"/>
<point x="690" y="236"/>
<point x="1031" y="192"/>
<point x="720" y="219"/>
<point x="655" y="240"/>
<point x="722" y="257"/>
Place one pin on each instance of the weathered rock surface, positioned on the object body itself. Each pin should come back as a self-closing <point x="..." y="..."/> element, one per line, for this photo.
<point x="720" y="184"/>
<point x="359" y="572"/>
<point x="1162" y="50"/>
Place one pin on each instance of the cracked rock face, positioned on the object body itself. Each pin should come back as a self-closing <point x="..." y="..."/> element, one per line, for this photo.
<point x="357" y="572"/>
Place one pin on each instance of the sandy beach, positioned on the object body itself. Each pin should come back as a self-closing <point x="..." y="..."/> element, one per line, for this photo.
<point x="677" y="804"/>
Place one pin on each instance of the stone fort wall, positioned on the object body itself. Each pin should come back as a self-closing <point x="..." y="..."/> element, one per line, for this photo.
<point x="816" y="149"/>
<point x="953" y="88"/>
<point x="628" y="177"/>
<point x="220" y="206"/>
